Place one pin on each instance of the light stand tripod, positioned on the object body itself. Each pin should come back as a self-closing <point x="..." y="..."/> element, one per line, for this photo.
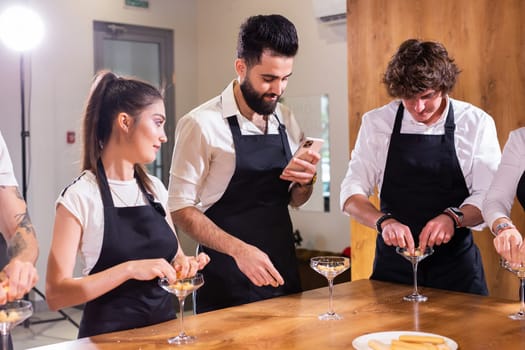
<point x="25" y="136"/>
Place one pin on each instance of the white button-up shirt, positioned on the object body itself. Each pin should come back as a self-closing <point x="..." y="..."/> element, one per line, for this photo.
<point x="500" y="197"/>
<point x="7" y="176"/>
<point x="475" y="138"/>
<point x="203" y="159"/>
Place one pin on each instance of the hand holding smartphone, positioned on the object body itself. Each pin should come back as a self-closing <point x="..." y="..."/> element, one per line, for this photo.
<point x="309" y="143"/>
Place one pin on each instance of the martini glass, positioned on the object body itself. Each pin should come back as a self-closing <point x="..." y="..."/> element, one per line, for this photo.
<point x="12" y="314"/>
<point x="520" y="272"/>
<point x="182" y="288"/>
<point x="414" y="260"/>
<point x="330" y="267"/>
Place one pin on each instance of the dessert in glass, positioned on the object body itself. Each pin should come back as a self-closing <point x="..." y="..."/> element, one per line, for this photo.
<point x="414" y="259"/>
<point x="330" y="267"/>
<point x="182" y="288"/>
<point x="11" y="315"/>
<point x="519" y="271"/>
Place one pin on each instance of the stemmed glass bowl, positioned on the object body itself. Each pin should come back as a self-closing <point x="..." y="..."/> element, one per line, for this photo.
<point x="330" y="267"/>
<point x="519" y="271"/>
<point x="182" y="288"/>
<point x="414" y="259"/>
<point x="11" y="315"/>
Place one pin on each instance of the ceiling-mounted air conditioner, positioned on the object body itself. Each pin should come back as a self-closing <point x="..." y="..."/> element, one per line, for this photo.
<point x="330" y="10"/>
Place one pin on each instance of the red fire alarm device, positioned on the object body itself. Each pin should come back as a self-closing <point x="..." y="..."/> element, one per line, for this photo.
<point x="70" y="137"/>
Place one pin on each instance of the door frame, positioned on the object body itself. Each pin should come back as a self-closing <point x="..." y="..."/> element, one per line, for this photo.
<point x="164" y="38"/>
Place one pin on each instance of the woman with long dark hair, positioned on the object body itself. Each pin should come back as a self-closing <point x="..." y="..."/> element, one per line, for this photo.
<point x="114" y="216"/>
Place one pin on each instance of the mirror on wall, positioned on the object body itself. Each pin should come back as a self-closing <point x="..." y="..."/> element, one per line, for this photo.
<point x="312" y="114"/>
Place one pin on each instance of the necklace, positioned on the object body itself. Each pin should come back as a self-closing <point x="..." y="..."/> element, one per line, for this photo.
<point x="123" y="201"/>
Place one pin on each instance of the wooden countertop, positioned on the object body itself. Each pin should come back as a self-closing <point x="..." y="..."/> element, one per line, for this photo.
<point x="290" y="322"/>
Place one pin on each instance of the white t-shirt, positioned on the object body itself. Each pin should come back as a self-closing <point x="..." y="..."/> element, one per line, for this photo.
<point x="7" y="176"/>
<point x="475" y="139"/>
<point x="204" y="154"/>
<point x="500" y="197"/>
<point x="83" y="200"/>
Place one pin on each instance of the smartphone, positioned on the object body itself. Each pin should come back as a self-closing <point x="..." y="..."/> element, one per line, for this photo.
<point x="309" y="143"/>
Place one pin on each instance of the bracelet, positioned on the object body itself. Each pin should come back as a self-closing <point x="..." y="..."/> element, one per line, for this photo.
<point x="381" y="220"/>
<point x="452" y="217"/>
<point x="502" y="227"/>
<point x="455" y="214"/>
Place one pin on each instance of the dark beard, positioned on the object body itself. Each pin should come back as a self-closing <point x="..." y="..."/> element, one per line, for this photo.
<point x="255" y="101"/>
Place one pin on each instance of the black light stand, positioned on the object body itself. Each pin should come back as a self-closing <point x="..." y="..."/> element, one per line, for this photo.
<point x="25" y="135"/>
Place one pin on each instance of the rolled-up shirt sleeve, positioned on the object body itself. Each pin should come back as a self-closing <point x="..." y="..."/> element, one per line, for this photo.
<point x="366" y="166"/>
<point x="502" y="192"/>
<point x="187" y="172"/>
<point x="486" y="155"/>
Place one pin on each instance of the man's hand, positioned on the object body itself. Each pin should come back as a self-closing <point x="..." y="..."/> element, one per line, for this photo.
<point x="305" y="176"/>
<point x="396" y="234"/>
<point x="437" y="231"/>
<point x="16" y="279"/>
<point x="507" y="244"/>
<point x="256" y="265"/>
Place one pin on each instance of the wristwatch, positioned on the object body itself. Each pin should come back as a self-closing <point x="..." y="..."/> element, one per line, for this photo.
<point x="455" y="214"/>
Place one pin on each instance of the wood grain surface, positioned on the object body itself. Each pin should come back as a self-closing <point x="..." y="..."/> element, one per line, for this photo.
<point x="290" y="322"/>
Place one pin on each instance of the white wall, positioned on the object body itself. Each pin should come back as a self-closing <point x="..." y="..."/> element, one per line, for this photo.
<point x="205" y="40"/>
<point x="320" y="67"/>
<point x="62" y="69"/>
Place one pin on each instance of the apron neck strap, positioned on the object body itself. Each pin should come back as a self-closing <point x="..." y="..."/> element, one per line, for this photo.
<point x="450" y="125"/>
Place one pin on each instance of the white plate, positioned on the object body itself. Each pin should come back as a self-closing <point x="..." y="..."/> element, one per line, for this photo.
<point x="361" y="343"/>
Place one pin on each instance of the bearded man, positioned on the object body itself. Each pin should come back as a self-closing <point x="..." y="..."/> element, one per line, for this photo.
<point x="229" y="189"/>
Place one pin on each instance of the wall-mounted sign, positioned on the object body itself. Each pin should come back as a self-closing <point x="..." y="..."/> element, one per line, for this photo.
<point x="138" y="3"/>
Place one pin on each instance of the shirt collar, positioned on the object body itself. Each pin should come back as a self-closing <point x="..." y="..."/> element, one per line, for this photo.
<point x="442" y="119"/>
<point x="229" y="106"/>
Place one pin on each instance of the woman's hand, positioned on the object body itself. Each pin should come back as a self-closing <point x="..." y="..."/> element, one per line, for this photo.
<point x="148" y="269"/>
<point x="187" y="266"/>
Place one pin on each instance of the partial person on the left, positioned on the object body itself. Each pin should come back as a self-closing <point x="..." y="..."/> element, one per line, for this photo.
<point x="18" y="274"/>
<point x="18" y="246"/>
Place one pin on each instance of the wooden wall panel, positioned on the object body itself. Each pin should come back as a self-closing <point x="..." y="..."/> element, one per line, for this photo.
<point x="487" y="40"/>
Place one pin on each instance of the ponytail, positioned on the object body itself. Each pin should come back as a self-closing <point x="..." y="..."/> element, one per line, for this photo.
<point x="109" y="96"/>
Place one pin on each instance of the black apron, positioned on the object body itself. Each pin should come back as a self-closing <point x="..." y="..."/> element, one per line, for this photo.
<point x="130" y="233"/>
<point x="423" y="177"/>
<point x="520" y="192"/>
<point x="254" y="208"/>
